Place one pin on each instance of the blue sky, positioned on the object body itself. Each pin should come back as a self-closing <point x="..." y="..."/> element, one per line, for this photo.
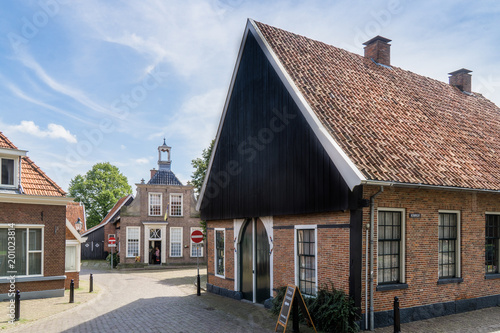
<point x="91" y="81"/>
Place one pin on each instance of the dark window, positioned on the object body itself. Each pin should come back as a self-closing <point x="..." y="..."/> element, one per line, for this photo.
<point x="448" y="245"/>
<point x="7" y="171"/>
<point x="21" y="251"/>
<point x="492" y="244"/>
<point x="389" y="247"/>
<point x="306" y="252"/>
<point x="219" y="252"/>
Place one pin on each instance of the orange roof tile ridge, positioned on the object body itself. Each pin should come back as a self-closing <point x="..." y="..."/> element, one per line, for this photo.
<point x="44" y="175"/>
<point x="7" y="141"/>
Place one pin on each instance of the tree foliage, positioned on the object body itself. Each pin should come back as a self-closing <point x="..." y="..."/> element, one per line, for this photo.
<point x="99" y="190"/>
<point x="200" y="166"/>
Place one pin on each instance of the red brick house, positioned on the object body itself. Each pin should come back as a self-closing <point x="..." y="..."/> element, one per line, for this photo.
<point x="96" y="246"/>
<point x="75" y="219"/>
<point x="161" y="218"/>
<point x="33" y="212"/>
<point x="329" y="166"/>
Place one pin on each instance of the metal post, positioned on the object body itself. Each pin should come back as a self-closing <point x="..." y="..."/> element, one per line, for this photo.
<point x="198" y="267"/>
<point x="91" y="283"/>
<point x="17" y="310"/>
<point x="111" y="258"/>
<point x="397" y="323"/>
<point x="72" y="291"/>
<point x="295" y="313"/>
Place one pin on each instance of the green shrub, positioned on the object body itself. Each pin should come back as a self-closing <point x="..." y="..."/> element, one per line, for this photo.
<point x="331" y="310"/>
<point x="116" y="259"/>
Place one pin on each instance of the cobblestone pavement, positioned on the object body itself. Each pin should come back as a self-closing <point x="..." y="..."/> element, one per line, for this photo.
<point x="166" y="301"/>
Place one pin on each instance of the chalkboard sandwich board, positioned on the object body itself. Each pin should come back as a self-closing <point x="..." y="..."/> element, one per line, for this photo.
<point x="292" y="294"/>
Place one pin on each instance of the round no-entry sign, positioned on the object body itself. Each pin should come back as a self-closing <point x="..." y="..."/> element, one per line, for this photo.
<point x="111" y="240"/>
<point x="197" y="236"/>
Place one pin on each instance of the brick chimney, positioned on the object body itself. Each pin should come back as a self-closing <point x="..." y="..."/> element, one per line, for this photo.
<point x="378" y="49"/>
<point x="153" y="172"/>
<point x="462" y="80"/>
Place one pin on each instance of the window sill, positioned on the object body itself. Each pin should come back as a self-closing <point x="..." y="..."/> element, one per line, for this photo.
<point x="33" y="278"/>
<point x="395" y="286"/>
<point x="450" y="280"/>
<point x="492" y="276"/>
<point x="220" y="276"/>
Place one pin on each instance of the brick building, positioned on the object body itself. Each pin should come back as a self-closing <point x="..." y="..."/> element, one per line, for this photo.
<point x="161" y="218"/>
<point x="76" y="224"/>
<point x="329" y="166"/>
<point x="33" y="212"/>
<point x="96" y="247"/>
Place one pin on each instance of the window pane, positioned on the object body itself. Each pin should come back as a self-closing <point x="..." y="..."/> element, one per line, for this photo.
<point x="155" y="204"/>
<point x="175" y="242"/>
<point x="21" y="253"/>
<point x="35" y="263"/>
<point x="3" y="251"/>
<point x="7" y="171"/>
<point x="306" y="252"/>
<point x="70" y="258"/>
<point x="176" y="204"/>
<point x="35" y="240"/>
<point x="219" y="251"/>
<point x="448" y="232"/>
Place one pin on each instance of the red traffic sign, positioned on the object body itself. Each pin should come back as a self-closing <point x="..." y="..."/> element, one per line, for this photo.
<point x="197" y="236"/>
<point x="111" y="240"/>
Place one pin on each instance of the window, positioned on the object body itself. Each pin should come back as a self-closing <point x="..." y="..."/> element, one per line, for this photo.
<point x="154" y="204"/>
<point x="28" y="251"/>
<point x="196" y="248"/>
<point x="175" y="242"/>
<point x="390" y="261"/>
<point x="492" y="259"/>
<point x="154" y="234"/>
<point x="7" y="171"/>
<point x="219" y="252"/>
<point x="449" y="245"/>
<point x="70" y="263"/>
<point x="175" y="204"/>
<point x="306" y="259"/>
<point x="133" y="235"/>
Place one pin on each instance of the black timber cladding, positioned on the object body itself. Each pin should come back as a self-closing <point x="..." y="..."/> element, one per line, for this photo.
<point x="268" y="160"/>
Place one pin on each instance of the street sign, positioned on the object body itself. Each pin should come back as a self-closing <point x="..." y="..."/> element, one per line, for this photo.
<point x="197" y="236"/>
<point x="111" y="241"/>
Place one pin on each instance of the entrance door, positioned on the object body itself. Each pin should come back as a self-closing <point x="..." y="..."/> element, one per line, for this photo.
<point x="155" y="252"/>
<point x="254" y="257"/>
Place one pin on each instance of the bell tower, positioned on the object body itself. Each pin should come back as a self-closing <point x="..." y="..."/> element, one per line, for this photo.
<point x="164" y="161"/>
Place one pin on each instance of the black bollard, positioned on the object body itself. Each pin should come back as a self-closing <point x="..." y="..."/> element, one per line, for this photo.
<point x="17" y="311"/>
<point x="72" y="291"/>
<point x="397" y="323"/>
<point x="91" y="284"/>
<point x="198" y="285"/>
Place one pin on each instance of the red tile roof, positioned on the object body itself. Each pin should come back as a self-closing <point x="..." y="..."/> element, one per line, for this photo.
<point x="33" y="180"/>
<point x="75" y="210"/>
<point x="112" y="212"/>
<point x="393" y="124"/>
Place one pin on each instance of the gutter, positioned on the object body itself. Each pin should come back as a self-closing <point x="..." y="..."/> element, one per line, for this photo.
<point x="425" y="186"/>
<point x="372" y="222"/>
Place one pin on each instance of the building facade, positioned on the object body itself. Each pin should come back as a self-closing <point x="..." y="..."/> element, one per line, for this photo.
<point x="331" y="168"/>
<point x="155" y="228"/>
<point x="32" y="227"/>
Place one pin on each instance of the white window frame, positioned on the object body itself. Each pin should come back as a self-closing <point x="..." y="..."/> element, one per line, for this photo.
<point x="402" y="243"/>
<point x="149" y="203"/>
<point x="16" y="171"/>
<point x="138" y="242"/>
<point x="296" y="256"/>
<point x="76" y="245"/>
<point x="28" y="251"/>
<point x="171" y="206"/>
<point x="458" y="268"/>
<point x="498" y="259"/>
<point x="193" y="244"/>
<point x="170" y="250"/>
<point x="215" y="252"/>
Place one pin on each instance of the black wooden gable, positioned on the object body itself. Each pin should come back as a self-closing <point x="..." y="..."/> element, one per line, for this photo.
<point x="268" y="161"/>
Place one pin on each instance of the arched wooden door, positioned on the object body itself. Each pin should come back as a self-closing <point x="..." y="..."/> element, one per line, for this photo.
<point x="254" y="257"/>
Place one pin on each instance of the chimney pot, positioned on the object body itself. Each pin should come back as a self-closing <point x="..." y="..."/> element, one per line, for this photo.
<point x="378" y="49"/>
<point x="153" y="172"/>
<point x="462" y="80"/>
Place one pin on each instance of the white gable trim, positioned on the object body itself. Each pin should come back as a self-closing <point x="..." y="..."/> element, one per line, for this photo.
<point x="350" y="173"/>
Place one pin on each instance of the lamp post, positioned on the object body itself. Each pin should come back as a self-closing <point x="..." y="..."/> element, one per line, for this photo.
<point x="78" y="225"/>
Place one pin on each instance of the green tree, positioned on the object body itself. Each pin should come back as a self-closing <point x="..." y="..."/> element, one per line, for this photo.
<point x="99" y="189"/>
<point x="200" y="166"/>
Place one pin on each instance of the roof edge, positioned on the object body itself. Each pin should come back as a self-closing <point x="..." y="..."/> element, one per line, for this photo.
<point x="106" y="221"/>
<point x="426" y="186"/>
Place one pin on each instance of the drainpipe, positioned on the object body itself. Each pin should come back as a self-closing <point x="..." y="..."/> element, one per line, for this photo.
<point x="372" y="222"/>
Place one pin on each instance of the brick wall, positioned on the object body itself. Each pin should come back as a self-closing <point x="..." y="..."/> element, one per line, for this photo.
<point x="76" y="279"/>
<point x="422" y="245"/>
<point x="54" y="245"/>
<point x="228" y="281"/>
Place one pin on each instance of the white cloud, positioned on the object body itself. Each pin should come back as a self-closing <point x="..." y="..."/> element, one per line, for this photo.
<point x="141" y="160"/>
<point x="53" y="131"/>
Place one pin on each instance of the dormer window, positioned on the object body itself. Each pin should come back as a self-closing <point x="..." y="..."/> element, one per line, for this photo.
<point x="7" y="171"/>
